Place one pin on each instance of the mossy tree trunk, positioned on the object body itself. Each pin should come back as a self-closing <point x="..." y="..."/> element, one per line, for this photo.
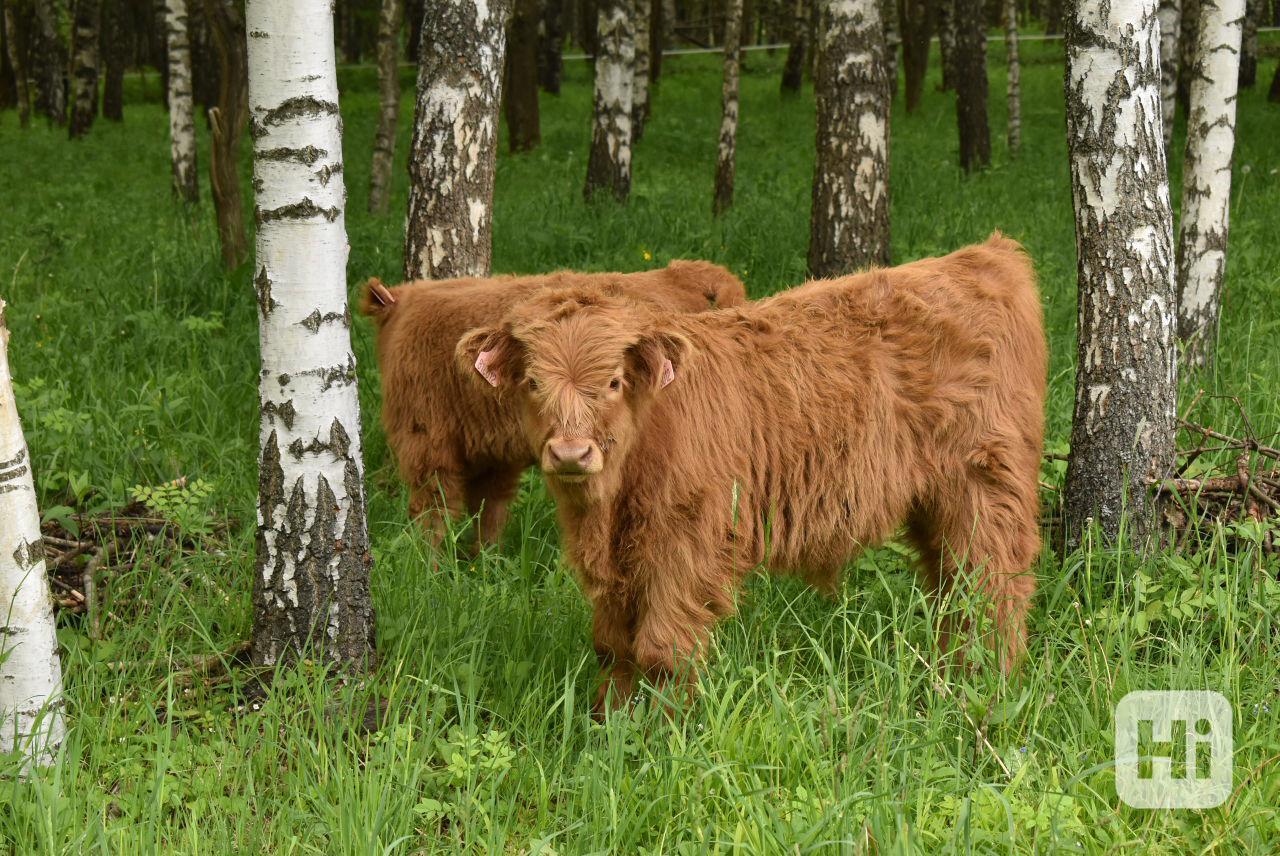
<point x="849" y="221"/>
<point x="793" y="70"/>
<point x="916" y="17"/>
<point x="970" y="77"/>
<point x="455" y="139"/>
<point x="520" y="88"/>
<point x="84" y="68"/>
<point x="1123" y="425"/>
<point x="609" y="161"/>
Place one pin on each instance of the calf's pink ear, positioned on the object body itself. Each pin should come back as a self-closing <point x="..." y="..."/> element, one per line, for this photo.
<point x="483" y="366"/>
<point x="668" y="372"/>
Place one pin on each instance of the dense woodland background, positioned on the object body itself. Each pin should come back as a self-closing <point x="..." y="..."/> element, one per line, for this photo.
<point x="820" y="726"/>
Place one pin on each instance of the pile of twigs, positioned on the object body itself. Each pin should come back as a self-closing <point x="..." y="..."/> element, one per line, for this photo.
<point x="81" y="559"/>
<point x="1247" y="488"/>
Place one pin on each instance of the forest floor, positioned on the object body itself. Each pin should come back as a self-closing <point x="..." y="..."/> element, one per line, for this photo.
<point x="820" y="726"/>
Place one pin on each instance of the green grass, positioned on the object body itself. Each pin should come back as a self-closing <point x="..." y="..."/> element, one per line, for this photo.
<point x="818" y="728"/>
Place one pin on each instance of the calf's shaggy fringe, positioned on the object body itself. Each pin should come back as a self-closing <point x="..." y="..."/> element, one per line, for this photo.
<point x="790" y="432"/>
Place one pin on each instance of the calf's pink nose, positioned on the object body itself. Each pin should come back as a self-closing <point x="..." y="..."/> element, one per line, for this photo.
<point x="569" y="452"/>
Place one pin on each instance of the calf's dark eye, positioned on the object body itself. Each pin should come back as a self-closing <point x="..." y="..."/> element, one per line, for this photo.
<point x="615" y="384"/>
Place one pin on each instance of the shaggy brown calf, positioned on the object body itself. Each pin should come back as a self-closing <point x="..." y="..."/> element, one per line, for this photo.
<point x="461" y="450"/>
<point x="684" y="451"/>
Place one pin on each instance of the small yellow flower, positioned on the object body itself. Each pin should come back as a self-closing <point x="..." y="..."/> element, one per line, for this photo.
<point x="648" y="256"/>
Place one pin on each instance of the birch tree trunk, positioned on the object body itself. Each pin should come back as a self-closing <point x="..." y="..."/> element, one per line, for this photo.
<point x="551" y="62"/>
<point x="1123" y="425"/>
<point x="520" y="95"/>
<point x="969" y="68"/>
<point x="226" y="123"/>
<point x="1170" y="15"/>
<point x="945" y="17"/>
<point x="793" y="71"/>
<point x="917" y="30"/>
<point x="640" y="83"/>
<point x="30" y="673"/>
<point x="1013" y="87"/>
<point x="849" y="222"/>
<point x="609" y="163"/>
<point x="84" y="68"/>
<point x="1254" y="10"/>
<point x="892" y="41"/>
<point x="311" y="590"/>
<point x="1206" y="178"/>
<point x="182" y="129"/>
<point x="384" y="140"/>
<point x="114" y="48"/>
<point x="727" y="153"/>
<point x="15" y="62"/>
<point x="1188" y="27"/>
<point x="455" y="139"/>
<point x="49" y="60"/>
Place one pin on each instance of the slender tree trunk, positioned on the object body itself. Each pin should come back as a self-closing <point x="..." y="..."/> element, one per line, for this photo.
<point x="661" y="30"/>
<point x="944" y="14"/>
<point x="15" y="62"/>
<point x="1013" y="88"/>
<point x="520" y="98"/>
<point x="793" y="71"/>
<point x="1170" y="15"/>
<point x="727" y="154"/>
<point x="455" y="140"/>
<point x="640" y="84"/>
<point x="917" y="30"/>
<point x="49" y="62"/>
<point x="84" y="75"/>
<point x="849" y="221"/>
<point x="609" y="163"/>
<point x="1053" y="17"/>
<point x="31" y="720"/>
<point x="182" y="129"/>
<point x="1206" y="179"/>
<point x="1189" y="26"/>
<point x="970" y="67"/>
<point x="311" y="589"/>
<point x="551" y="66"/>
<point x="892" y="42"/>
<point x="384" y="141"/>
<point x="414" y="12"/>
<point x="1273" y="94"/>
<point x="588" y="33"/>
<point x="1126" y="378"/>
<point x="115" y="49"/>
<point x="226" y="122"/>
<point x="1254" y="10"/>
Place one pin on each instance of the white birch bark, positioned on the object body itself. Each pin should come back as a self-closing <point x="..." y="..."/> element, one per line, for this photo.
<point x="182" y="128"/>
<point x="31" y="718"/>
<point x="455" y="139"/>
<point x="726" y="159"/>
<point x="1170" y="14"/>
<point x="1013" y="86"/>
<point x="311" y="590"/>
<point x="1206" y="178"/>
<point x="49" y="61"/>
<point x="1126" y="377"/>
<point x="609" y="162"/>
<point x="640" y="82"/>
<point x="849" y="220"/>
<point x="84" y="67"/>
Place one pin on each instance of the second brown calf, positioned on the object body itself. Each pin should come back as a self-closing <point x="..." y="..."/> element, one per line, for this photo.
<point x="684" y="451"/>
<point x="462" y="451"/>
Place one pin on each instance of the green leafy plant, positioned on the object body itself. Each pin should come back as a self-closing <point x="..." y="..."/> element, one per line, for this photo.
<point x="185" y="504"/>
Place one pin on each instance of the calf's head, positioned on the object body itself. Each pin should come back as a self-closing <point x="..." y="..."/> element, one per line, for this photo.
<point x="585" y="364"/>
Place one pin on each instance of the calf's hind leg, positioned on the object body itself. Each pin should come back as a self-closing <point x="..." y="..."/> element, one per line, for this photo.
<point x="489" y="494"/>
<point x="986" y="529"/>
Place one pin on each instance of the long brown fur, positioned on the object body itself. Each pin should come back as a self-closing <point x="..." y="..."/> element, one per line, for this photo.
<point x="798" y="430"/>
<point x="462" y="451"/>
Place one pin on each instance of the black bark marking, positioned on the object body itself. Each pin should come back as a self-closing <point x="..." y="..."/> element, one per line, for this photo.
<point x="313" y="321"/>
<point x="304" y="210"/>
<point x="13" y="462"/>
<point x="258" y="34"/>
<point x="327" y="172"/>
<point x="293" y="108"/>
<point x="285" y="411"/>
<point x="307" y="155"/>
<point x="339" y="440"/>
<point x="266" y="302"/>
